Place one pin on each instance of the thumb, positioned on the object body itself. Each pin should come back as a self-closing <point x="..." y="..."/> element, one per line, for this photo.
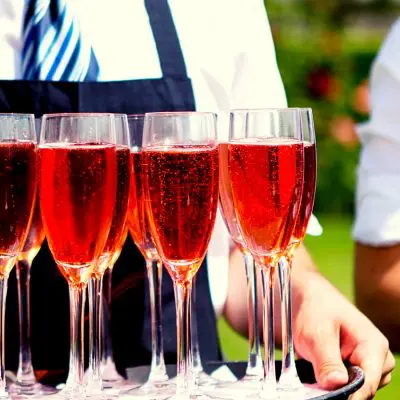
<point x="322" y="346"/>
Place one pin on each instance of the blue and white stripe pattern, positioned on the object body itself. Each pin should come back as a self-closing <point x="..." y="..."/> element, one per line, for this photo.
<point x="53" y="47"/>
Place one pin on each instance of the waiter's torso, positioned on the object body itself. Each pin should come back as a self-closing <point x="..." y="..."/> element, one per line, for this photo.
<point x="49" y="295"/>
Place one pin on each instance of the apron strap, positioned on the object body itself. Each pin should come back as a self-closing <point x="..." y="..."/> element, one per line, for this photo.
<point x="166" y="38"/>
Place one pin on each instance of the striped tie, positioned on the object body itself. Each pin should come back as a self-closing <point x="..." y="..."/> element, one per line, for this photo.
<point x="53" y="47"/>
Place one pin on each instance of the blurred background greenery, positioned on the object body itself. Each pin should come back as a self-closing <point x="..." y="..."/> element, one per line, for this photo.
<point x="325" y="49"/>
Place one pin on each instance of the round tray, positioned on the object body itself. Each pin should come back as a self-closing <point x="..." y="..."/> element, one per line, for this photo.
<point x="306" y="374"/>
<point x="238" y="369"/>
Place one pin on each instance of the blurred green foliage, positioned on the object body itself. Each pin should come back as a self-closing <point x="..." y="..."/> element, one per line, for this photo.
<point x="325" y="63"/>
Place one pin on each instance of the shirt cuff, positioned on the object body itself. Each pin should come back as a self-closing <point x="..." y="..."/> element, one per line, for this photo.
<point x="314" y="228"/>
<point x="218" y="264"/>
<point x="377" y="219"/>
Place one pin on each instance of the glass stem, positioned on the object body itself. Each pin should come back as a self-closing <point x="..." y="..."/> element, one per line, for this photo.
<point x="184" y="368"/>
<point x="109" y="373"/>
<point x="197" y="366"/>
<point x="158" y="371"/>
<point x="95" y="290"/>
<point x="107" y="353"/>
<point x="289" y="376"/>
<point x="25" y="374"/>
<point x="3" y="296"/>
<point x="269" y="384"/>
<point x="75" y="382"/>
<point x="254" y="363"/>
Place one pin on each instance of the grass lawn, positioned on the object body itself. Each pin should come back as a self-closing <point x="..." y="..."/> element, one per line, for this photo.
<point x="333" y="253"/>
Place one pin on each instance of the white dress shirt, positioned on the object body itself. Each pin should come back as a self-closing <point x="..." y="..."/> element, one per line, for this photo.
<point x="229" y="55"/>
<point x="378" y="189"/>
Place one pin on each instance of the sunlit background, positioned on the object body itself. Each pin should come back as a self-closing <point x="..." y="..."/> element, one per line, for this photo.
<point x="325" y="49"/>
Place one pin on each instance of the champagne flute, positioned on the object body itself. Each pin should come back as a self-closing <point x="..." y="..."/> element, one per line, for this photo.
<point x="289" y="379"/>
<point x="114" y="243"/>
<point x="26" y="383"/>
<point x="265" y="166"/>
<point x="18" y="183"/>
<point x="180" y="160"/>
<point x="78" y="184"/>
<point x="255" y="369"/>
<point x="140" y="232"/>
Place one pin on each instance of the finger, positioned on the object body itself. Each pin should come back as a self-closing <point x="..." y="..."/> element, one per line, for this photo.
<point x="388" y="367"/>
<point x="385" y="380"/>
<point x="322" y="347"/>
<point x="371" y="356"/>
<point x="360" y="396"/>
<point x="390" y="363"/>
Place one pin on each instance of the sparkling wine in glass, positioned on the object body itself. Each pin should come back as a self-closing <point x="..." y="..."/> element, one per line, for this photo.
<point x="180" y="173"/>
<point x="265" y="164"/>
<point x="140" y="232"/>
<point x="289" y="379"/>
<point x="18" y="185"/>
<point x="78" y="184"/>
<point x="113" y="245"/>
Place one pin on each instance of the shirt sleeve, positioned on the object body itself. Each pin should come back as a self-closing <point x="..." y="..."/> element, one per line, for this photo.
<point x="256" y="82"/>
<point x="314" y="228"/>
<point x="11" y="17"/>
<point x="218" y="264"/>
<point x="377" y="221"/>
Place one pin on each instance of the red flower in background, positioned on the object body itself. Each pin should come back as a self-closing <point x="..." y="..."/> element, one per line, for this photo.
<point x="322" y="84"/>
<point x="361" y="98"/>
<point x="343" y="129"/>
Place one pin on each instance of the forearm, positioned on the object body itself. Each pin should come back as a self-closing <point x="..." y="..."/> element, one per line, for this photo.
<point x="235" y="310"/>
<point x="236" y="305"/>
<point x="377" y="273"/>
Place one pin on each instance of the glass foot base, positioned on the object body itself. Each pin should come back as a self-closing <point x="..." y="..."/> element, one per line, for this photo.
<point x="290" y="381"/>
<point x="114" y="381"/>
<point x="111" y="390"/>
<point x="110" y="373"/>
<point x="105" y="394"/>
<point x="248" y="386"/>
<point x="158" y="378"/>
<point x="151" y="391"/>
<point x="65" y="392"/>
<point x="201" y="380"/>
<point x="32" y="389"/>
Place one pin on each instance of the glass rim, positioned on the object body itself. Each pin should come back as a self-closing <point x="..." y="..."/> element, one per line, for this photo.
<point x="180" y="113"/>
<point x="20" y="115"/>
<point x="272" y="109"/>
<point x="79" y="115"/>
<point x="135" y="116"/>
<point x="57" y="144"/>
<point x="305" y="110"/>
<point x="212" y="144"/>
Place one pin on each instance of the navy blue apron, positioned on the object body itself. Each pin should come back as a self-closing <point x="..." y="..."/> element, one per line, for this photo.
<point x="130" y="308"/>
